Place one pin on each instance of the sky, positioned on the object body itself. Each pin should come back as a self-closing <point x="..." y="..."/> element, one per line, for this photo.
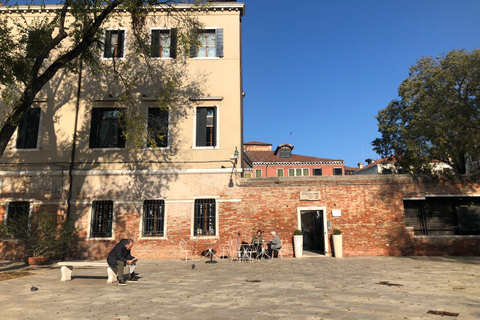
<point x="316" y="72"/>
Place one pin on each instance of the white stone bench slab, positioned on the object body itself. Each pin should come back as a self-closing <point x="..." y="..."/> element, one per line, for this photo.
<point x="67" y="268"/>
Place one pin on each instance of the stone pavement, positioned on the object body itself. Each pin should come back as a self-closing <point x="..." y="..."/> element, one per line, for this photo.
<point x="307" y="288"/>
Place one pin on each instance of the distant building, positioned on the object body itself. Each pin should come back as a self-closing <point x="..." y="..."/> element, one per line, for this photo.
<point x="262" y="162"/>
<point x="387" y="166"/>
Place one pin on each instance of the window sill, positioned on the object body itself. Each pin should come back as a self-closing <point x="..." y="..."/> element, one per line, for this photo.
<point x="97" y="238"/>
<point x="206" y="148"/>
<point x="107" y="149"/>
<point x="206" y="58"/>
<point x="25" y="150"/>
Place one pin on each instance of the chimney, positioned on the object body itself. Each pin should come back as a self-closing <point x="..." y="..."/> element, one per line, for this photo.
<point x="369" y="161"/>
<point x="360" y="165"/>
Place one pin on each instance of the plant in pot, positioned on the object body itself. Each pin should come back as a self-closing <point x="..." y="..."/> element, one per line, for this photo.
<point x="42" y="235"/>
<point x="337" y="243"/>
<point x="298" y="243"/>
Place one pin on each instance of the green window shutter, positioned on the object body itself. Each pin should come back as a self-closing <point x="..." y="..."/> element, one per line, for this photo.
<point x="94" y="127"/>
<point x="173" y="43"/>
<point x="201" y="127"/>
<point x="219" y="42"/>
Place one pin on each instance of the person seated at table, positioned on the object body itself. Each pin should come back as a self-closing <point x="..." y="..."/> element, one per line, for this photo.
<point x="257" y="243"/>
<point x="274" y="245"/>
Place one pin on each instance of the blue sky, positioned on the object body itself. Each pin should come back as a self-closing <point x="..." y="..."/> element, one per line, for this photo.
<point x="316" y="72"/>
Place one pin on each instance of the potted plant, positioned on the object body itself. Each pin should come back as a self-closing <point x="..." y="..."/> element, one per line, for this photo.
<point x="298" y="243"/>
<point x="337" y="243"/>
<point x="42" y="235"/>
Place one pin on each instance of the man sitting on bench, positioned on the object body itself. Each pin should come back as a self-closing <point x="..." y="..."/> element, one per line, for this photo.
<point x="119" y="257"/>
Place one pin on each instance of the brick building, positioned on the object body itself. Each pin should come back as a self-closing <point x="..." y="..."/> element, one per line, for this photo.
<point x="262" y="162"/>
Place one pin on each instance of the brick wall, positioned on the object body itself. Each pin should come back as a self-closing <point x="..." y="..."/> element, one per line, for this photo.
<point x="372" y="214"/>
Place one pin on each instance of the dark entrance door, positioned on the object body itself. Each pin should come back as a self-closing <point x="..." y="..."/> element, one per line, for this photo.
<point x="312" y="229"/>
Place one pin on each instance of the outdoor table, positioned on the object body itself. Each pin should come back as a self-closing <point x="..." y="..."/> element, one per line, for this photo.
<point x="210" y="251"/>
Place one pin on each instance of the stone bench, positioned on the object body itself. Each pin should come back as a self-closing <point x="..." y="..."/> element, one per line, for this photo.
<point x="67" y="268"/>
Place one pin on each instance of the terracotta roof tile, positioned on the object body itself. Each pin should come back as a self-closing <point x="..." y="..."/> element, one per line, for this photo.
<point x="269" y="156"/>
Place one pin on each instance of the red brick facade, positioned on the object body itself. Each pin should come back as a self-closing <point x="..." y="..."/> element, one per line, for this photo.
<point x="372" y="217"/>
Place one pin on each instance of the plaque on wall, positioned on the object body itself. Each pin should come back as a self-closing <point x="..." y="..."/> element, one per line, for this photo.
<point x="336" y="213"/>
<point x="310" y="195"/>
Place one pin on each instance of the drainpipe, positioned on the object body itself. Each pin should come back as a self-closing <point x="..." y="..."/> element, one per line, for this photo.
<point x="74" y="144"/>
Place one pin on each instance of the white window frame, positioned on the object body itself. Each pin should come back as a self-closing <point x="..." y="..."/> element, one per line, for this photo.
<point x="170" y="53"/>
<point x="124" y="43"/>
<point x="146" y="147"/>
<point x="40" y="125"/>
<point x="141" y="236"/>
<point x="210" y="58"/>
<point x="217" y="215"/>
<point x="90" y="217"/>
<point x="217" y="131"/>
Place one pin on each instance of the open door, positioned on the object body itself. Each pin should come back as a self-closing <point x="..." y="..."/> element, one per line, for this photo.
<point x="313" y="229"/>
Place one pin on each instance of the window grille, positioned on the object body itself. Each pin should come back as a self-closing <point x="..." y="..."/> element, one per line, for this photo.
<point x="443" y="216"/>
<point x="102" y="219"/>
<point x="153" y="218"/>
<point x="205" y="217"/>
<point x="18" y="212"/>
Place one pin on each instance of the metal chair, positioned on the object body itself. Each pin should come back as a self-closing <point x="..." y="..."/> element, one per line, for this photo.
<point x="185" y="249"/>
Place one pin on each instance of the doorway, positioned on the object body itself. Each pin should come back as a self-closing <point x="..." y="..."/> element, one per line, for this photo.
<point x="312" y="222"/>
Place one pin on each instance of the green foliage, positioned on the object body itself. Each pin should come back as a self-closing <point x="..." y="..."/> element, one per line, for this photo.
<point x="42" y="234"/>
<point x="33" y="51"/>
<point x="436" y="116"/>
<point x="337" y="231"/>
<point x="297" y="232"/>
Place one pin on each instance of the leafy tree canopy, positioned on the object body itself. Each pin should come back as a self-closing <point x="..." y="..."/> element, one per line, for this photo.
<point x="33" y="51"/>
<point x="436" y="116"/>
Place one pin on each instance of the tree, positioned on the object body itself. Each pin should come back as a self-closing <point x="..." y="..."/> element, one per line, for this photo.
<point x="436" y="116"/>
<point x="71" y="37"/>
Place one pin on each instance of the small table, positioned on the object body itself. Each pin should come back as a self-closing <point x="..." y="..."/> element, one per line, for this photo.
<point x="210" y="251"/>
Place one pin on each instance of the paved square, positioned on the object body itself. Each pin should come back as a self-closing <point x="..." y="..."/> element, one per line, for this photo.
<point x="307" y="288"/>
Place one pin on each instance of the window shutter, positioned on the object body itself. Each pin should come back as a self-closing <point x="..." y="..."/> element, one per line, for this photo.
<point x="121" y="38"/>
<point x="22" y="132"/>
<point x="32" y="129"/>
<point x="107" y="44"/>
<point x="173" y="43"/>
<point x="96" y="112"/>
<point x="121" y="126"/>
<point x="214" y="127"/>
<point x="201" y="127"/>
<point x="219" y="42"/>
<point x="155" y="43"/>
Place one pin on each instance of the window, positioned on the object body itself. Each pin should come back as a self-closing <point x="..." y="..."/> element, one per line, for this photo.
<point x="317" y="171"/>
<point x="248" y="175"/>
<point x="28" y="129"/>
<point x="298" y="172"/>
<point x="157" y="127"/>
<point x="337" y="171"/>
<point x="153" y="218"/>
<point x="279" y="172"/>
<point x="163" y="43"/>
<point x="258" y="173"/>
<point x="37" y="40"/>
<point x="17" y="218"/>
<point x="205" y="218"/>
<point x="206" y="127"/>
<point x="102" y="219"/>
<point x="114" y="44"/>
<point x="106" y="131"/>
<point x="210" y="44"/>
<point x="285" y="153"/>
<point x="443" y="215"/>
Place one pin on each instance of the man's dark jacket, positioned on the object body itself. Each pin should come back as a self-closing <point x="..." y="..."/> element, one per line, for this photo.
<point x="119" y="253"/>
